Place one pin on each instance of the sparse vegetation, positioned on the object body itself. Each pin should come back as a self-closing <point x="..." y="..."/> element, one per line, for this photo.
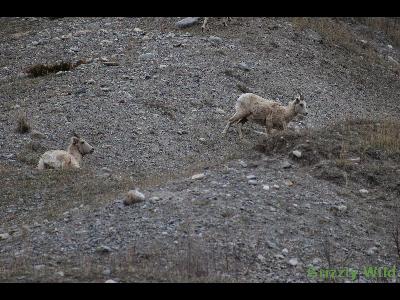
<point x="384" y="135"/>
<point x="190" y="262"/>
<point x="337" y="32"/>
<point x="331" y="29"/>
<point x="396" y="240"/>
<point x="389" y="26"/>
<point x="164" y="108"/>
<point x="23" y="124"/>
<point x="354" y="150"/>
<point x="42" y="70"/>
<point x="31" y="152"/>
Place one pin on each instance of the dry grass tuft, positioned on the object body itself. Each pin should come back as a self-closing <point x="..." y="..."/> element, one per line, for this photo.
<point x="342" y="160"/>
<point x="23" y="124"/>
<point x="43" y="70"/>
<point x="331" y="29"/>
<point x="384" y="135"/>
<point x="337" y="32"/>
<point x="389" y="26"/>
<point x="164" y="108"/>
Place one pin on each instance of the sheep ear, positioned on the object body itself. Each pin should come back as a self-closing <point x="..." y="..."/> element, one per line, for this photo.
<point x="297" y="100"/>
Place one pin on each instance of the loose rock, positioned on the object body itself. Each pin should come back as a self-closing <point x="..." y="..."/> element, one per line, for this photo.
<point x="147" y="56"/>
<point x="372" y="250"/>
<point x="110" y="63"/>
<point x="186" y="22"/>
<point x="296" y="153"/>
<point x="134" y="196"/>
<point x="4" y="236"/>
<point x="37" y="134"/>
<point x="243" y="66"/>
<point x="215" y="39"/>
<point x="293" y="262"/>
<point x="103" y="249"/>
<point x="260" y="257"/>
<point x="110" y="281"/>
<point x="198" y="176"/>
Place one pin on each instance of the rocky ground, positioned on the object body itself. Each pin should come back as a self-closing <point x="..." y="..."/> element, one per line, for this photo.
<point x="153" y="98"/>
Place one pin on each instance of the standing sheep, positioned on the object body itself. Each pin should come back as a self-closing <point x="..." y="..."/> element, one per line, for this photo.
<point x="265" y="112"/>
<point x="60" y="159"/>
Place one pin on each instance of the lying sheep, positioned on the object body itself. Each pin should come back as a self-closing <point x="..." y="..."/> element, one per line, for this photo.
<point x="203" y="27"/>
<point x="265" y="112"/>
<point x="60" y="159"/>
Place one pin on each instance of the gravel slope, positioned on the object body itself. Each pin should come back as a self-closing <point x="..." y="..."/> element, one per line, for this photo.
<point x="155" y="119"/>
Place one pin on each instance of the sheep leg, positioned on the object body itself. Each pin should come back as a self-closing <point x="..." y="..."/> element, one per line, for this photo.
<point x="236" y="118"/>
<point x="226" y="128"/>
<point x="203" y="27"/>
<point x="268" y="126"/>
<point x="240" y="130"/>
<point x="284" y="126"/>
<point x="240" y="124"/>
<point x="228" y="125"/>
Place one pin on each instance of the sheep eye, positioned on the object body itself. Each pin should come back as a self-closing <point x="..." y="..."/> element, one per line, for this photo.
<point x="82" y="143"/>
<point x="301" y="104"/>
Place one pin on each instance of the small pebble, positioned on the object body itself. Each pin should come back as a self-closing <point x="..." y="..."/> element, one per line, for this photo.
<point x="296" y="153"/>
<point x="134" y="196"/>
<point x="293" y="262"/>
<point x="215" y="39"/>
<point x="198" y="176"/>
<point x="243" y="66"/>
<point x="372" y="250"/>
<point x="4" y="236"/>
<point x="242" y="163"/>
<point x="266" y="187"/>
